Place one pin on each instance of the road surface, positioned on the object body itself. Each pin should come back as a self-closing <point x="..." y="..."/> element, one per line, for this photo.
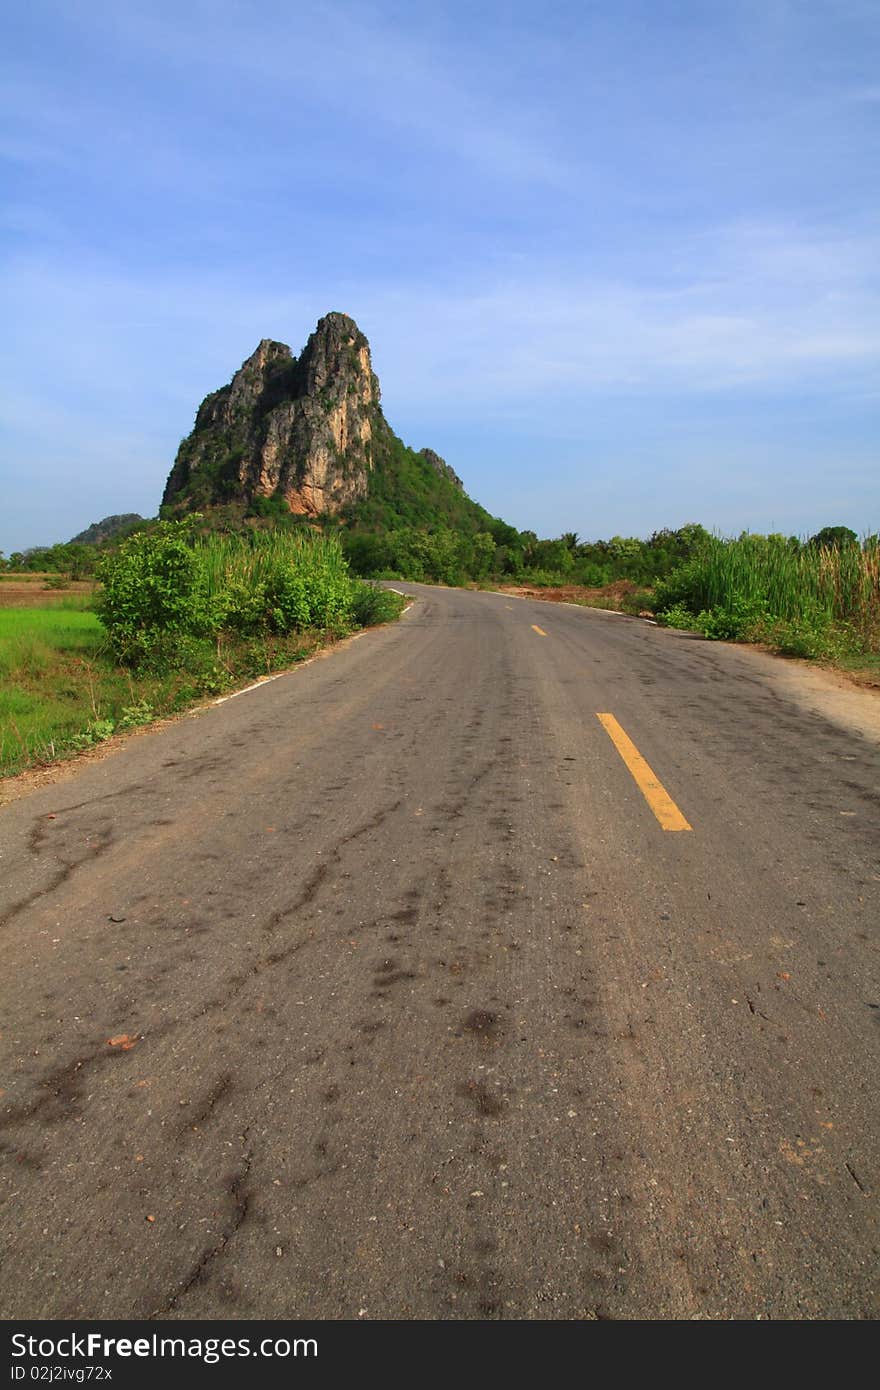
<point x="382" y="991"/>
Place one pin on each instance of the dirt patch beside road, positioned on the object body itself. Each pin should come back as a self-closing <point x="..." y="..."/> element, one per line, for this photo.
<point x="608" y="596"/>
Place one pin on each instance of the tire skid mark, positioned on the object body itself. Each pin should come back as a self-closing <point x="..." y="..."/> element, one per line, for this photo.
<point x="476" y="1275"/>
<point x="104" y="838"/>
<point x="319" y="875"/>
<point x="236" y="1185"/>
<point x="96" y="800"/>
<point x="236" y="983"/>
<point x="237" y="1189"/>
<point x="218" y="1092"/>
<point x="63" y="1084"/>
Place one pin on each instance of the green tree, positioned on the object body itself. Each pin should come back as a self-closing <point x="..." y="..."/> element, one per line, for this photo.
<point x="834" y="538"/>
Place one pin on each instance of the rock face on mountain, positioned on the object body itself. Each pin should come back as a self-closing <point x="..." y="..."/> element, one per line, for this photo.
<point x="298" y="429"/>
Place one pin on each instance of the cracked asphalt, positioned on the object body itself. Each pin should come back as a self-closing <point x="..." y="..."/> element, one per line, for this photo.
<point x="380" y="992"/>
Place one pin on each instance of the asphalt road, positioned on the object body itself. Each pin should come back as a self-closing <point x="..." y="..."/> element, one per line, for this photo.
<point x="380" y="991"/>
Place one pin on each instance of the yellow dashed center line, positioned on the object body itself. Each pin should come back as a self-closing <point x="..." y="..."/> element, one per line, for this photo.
<point x="540" y="631"/>
<point x="648" y="783"/>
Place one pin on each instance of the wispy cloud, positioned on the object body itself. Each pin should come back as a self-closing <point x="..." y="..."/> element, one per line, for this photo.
<point x="771" y="308"/>
<point x="868" y="95"/>
<point x="354" y="62"/>
<point x="541" y="218"/>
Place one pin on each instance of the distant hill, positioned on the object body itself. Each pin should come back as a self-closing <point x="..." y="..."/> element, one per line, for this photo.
<point x="307" y="436"/>
<point x="105" y="530"/>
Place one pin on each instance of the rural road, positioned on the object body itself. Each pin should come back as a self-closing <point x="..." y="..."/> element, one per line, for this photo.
<point x="381" y="991"/>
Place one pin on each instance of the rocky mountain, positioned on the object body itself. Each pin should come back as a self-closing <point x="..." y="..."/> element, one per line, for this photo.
<point x="106" y="529"/>
<point x="307" y="433"/>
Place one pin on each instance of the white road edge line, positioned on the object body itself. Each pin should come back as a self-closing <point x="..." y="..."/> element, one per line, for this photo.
<point x="401" y="594"/>
<point x="292" y="670"/>
<point x="248" y="688"/>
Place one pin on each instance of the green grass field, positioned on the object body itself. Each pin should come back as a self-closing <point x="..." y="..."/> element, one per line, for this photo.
<point x="48" y="682"/>
<point x="62" y="690"/>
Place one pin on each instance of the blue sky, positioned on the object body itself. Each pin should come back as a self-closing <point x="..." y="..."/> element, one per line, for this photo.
<point x="617" y="261"/>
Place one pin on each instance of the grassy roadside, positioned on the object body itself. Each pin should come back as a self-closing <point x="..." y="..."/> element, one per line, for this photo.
<point x="837" y="630"/>
<point x="178" y="616"/>
<point x="62" y="691"/>
<point x="820" y="603"/>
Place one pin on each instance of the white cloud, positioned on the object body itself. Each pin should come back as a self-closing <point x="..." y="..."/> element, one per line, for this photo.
<point x="775" y="309"/>
<point x="771" y="309"/>
<point x="353" y="63"/>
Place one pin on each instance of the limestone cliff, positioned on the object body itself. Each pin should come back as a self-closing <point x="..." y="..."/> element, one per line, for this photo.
<point x="297" y="429"/>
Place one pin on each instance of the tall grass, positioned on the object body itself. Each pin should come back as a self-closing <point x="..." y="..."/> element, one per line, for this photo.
<point x="260" y="556"/>
<point x="844" y="584"/>
<point x="758" y="584"/>
<point x="277" y="579"/>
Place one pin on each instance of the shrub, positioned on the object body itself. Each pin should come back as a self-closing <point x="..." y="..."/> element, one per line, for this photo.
<point x="270" y="508"/>
<point x="168" y="652"/>
<point x="372" y="605"/>
<point x="639" y="601"/>
<point x="677" y="615"/>
<point x="132" y="716"/>
<point x="95" y="732"/>
<point x="732" y="620"/>
<point x="682" y="588"/>
<point x="153" y="584"/>
<point x="812" y="636"/>
<point x="169" y="589"/>
<point x="541" y="578"/>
